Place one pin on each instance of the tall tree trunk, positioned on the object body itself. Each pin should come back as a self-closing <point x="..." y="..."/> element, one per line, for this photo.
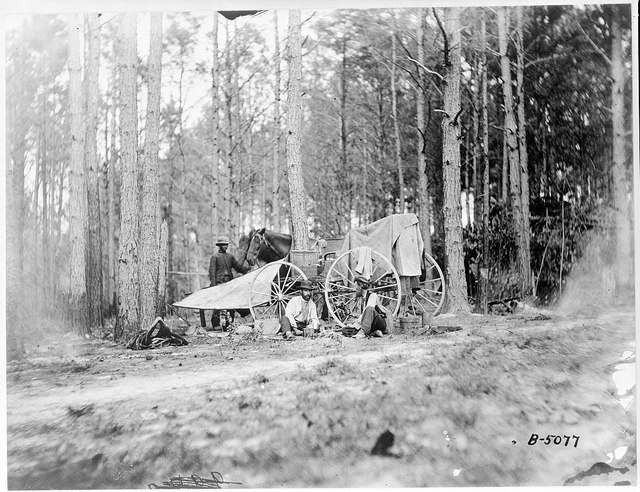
<point x="297" y="192"/>
<point x="195" y="283"/>
<point x="128" y="320"/>
<point x="162" y="269"/>
<point x="396" y="124"/>
<point x="486" y="190"/>
<point x="515" y="180"/>
<point x="237" y="175"/>
<point x="343" y="108"/>
<point x="526" y="280"/>
<point x="456" y="281"/>
<point x="423" y="183"/>
<point x="504" y="189"/>
<point x="186" y="240"/>
<point x="149" y="230"/>
<point x="94" y="242"/>
<point x="172" y="287"/>
<point x="215" y="144"/>
<point x="624" y="266"/>
<point x="45" y="172"/>
<point x="104" y="208"/>
<point x="112" y="191"/>
<point x="37" y="270"/>
<point x="15" y="161"/>
<point x="228" y="189"/>
<point x="77" y="186"/>
<point x="275" y="187"/>
<point x="476" y="146"/>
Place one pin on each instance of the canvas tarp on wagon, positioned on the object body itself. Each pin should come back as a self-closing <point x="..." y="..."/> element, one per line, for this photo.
<point x="235" y="294"/>
<point x="397" y="237"/>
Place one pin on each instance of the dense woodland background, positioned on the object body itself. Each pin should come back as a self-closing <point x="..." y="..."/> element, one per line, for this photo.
<point x="135" y="140"/>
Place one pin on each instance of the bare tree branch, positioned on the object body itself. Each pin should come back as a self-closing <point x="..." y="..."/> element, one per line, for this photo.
<point x="594" y="45"/>
<point x="447" y="62"/>
<point x="425" y="68"/>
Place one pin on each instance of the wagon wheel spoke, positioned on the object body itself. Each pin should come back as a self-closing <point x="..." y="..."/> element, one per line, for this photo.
<point x="340" y="295"/>
<point x="375" y="279"/>
<point x="425" y="299"/>
<point x="340" y="286"/>
<point x="343" y="276"/>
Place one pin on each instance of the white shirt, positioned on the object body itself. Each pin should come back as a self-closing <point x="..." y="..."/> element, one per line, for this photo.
<point x="300" y="310"/>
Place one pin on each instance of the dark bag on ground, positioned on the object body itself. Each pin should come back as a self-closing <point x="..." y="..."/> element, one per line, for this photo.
<point x="159" y="335"/>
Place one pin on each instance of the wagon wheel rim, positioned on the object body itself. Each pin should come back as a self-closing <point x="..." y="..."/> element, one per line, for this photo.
<point x="270" y="293"/>
<point x="429" y="297"/>
<point x="340" y="287"/>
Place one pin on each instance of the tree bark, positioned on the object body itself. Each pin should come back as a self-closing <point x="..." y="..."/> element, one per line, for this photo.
<point x="128" y="321"/>
<point x="237" y="175"/>
<point x="504" y="190"/>
<point x="78" y="304"/>
<point x="112" y="191"/>
<point x="297" y="193"/>
<point x="526" y="280"/>
<point x="45" y="172"/>
<point x="215" y="144"/>
<point x="149" y="230"/>
<point x="423" y="183"/>
<point x="476" y="146"/>
<point x="456" y="281"/>
<point x="624" y="266"/>
<point x="486" y="190"/>
<point x="228" y="185"/>
<point x="15" y="160"/>
<point x="515" y="180"/>
<point x="94" y="242"/>
<point x="396" y="125"/>
<point x="344" y="158"/>
<point x="162" y="269"/>
<point x="275" y="187"/>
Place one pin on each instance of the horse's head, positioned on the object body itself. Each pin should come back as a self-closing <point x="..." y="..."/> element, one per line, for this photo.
<point x="253" y="249"/>
<point x="243" y="246"/>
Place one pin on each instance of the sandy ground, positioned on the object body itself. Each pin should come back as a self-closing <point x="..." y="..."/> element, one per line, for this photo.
<point x="462" y="407"/>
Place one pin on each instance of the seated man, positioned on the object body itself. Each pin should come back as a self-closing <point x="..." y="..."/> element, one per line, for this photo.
<point x="372" y="321"/>
<point x="300" y="313"/>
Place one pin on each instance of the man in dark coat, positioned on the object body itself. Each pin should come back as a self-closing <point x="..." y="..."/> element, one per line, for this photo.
<point x="222" y="264"/>
<point x="221" y="268"/>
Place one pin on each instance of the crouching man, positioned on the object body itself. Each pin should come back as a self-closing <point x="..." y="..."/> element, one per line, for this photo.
<point x="300" y="313"/>
<point x="372" y="321"/>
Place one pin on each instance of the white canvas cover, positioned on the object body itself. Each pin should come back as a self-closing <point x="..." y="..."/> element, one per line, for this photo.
<point x="235" y="293"/>
<point x="396" y="237"/>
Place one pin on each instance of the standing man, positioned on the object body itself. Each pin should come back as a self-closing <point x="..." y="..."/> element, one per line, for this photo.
<point x="221" y="268"/>
<point x="300" y="313"/>
<point x="222" y="264"/>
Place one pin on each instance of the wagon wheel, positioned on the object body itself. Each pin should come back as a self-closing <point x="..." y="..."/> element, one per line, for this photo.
<point x="272" y="289"/>
<point x="340" y="287"/>
<point x="429" y="296"/>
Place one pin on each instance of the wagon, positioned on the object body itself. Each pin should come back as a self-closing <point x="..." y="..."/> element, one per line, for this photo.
<point x="388" y="252"/>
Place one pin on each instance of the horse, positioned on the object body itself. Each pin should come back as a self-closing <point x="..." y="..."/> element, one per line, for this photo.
<point x="265" y="246"/>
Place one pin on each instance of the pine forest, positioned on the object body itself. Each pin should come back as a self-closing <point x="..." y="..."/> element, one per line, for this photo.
<point x="135" y="140"/>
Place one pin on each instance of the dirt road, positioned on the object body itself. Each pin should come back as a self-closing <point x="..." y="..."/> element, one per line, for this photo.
<point x="463" y="407"/>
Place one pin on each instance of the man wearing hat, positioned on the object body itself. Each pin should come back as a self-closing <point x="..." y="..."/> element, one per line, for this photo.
<point x="300" y="313"/>
<point x="372" y="321"/>
<point x="222" y="264"/>
<point x="221" y="268"/>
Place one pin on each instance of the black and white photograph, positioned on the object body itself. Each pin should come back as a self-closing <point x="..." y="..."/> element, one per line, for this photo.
<point x="319" y="244"/>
